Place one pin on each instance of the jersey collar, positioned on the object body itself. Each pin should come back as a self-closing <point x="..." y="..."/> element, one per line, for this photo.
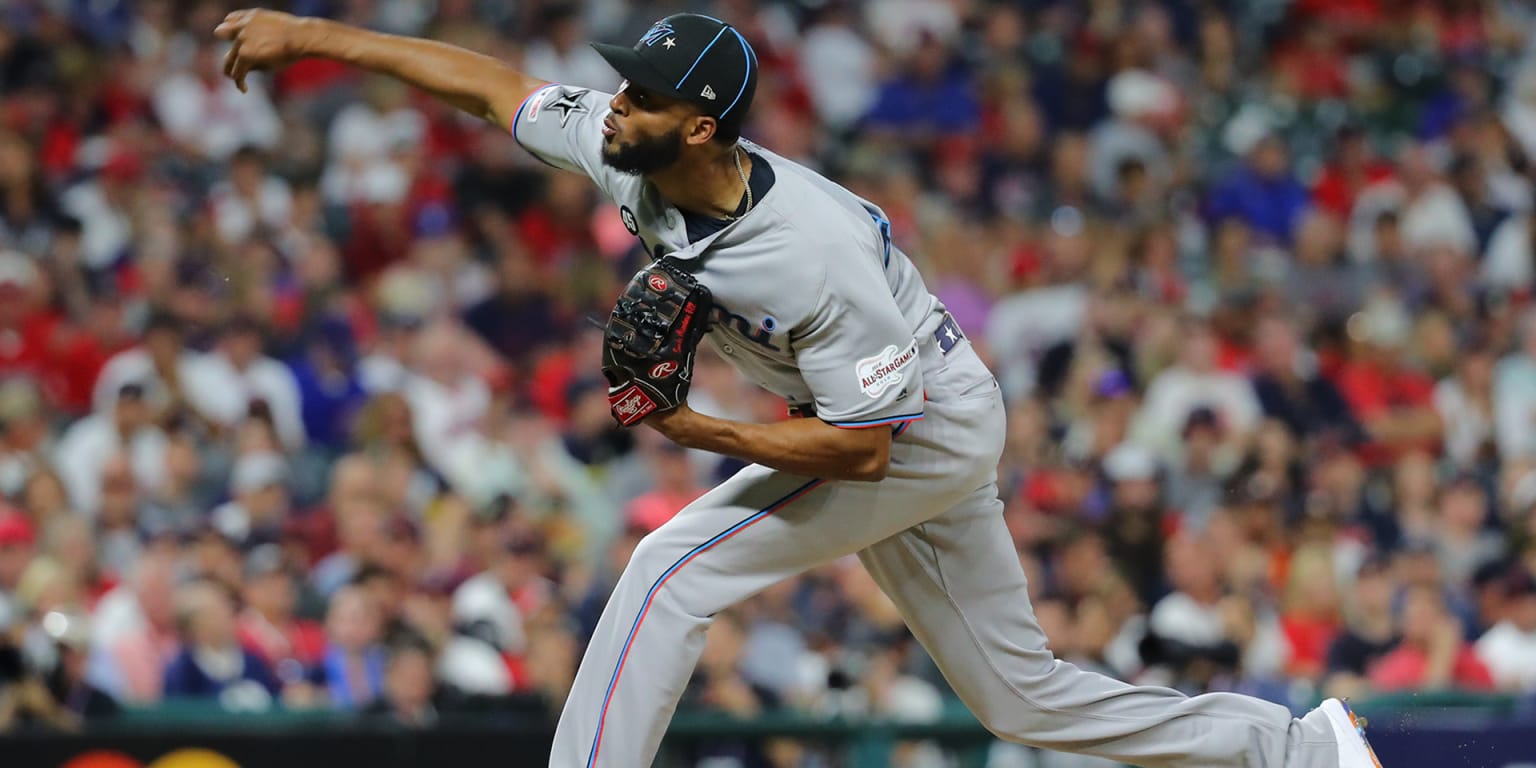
<point x="677" y="227"/>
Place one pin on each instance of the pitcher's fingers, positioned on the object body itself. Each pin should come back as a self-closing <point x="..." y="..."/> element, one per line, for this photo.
<point x="231" y="25"/>
<point x="230" y="57"/>
<point x="239" y="71"/>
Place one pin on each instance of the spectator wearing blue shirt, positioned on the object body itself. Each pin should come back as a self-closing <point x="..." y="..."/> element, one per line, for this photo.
<point x="212" y="664"/>
<point x="352" y="670"/>
<point x="330" y="390"/>
<point x="1262" y="192"/>
<point x="931" y="97"/>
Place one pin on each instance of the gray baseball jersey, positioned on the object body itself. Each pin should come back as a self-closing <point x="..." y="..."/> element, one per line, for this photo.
<point x="817" y="306"/>
<point x="786" y="277"/>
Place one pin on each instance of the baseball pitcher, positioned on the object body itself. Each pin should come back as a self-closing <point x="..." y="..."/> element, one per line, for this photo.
<point x="795" y="281"/>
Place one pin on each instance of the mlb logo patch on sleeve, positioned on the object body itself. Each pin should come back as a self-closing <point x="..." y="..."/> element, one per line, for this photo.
<point x="537" y="102"/>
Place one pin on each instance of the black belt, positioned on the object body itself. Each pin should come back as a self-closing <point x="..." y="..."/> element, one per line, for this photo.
<point x="948" y="334"/>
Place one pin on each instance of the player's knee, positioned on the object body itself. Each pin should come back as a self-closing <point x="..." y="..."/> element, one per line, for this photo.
<point x="1011" y="708"/>
<point x="659" y="556"/>
<point x="647" y="561"/>
<point x="1017" y="721"/>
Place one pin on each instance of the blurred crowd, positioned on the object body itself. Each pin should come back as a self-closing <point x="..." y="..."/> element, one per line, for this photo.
<point x="299" y="406"/>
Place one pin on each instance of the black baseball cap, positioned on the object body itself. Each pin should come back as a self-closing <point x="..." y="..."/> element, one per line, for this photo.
<point x="698" y="59"/>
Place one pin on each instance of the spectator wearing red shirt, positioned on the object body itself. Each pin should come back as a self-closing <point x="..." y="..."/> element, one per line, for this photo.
<point x="1391" y="400"/>
<point x="1356" y="19"/>
<point x="268" y="626"/>
<point x="1311" y="617"/>
<point x="675" y="487"/>
<point x="559" y="225"/>
<point x="1316" y="64"/>
<point x="1352" y="168"/>
<point x="1433" y="654"/>
<point x="24" y="328"/>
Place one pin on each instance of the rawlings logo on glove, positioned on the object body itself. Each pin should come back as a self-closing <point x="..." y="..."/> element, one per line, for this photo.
<point x="650" y="340"/>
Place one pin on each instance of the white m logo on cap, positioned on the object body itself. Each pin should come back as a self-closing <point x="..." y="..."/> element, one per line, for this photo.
<point x="708" y="93"/>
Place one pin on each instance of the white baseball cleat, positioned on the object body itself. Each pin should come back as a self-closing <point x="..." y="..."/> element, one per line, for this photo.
<point x="1354" y="750"/>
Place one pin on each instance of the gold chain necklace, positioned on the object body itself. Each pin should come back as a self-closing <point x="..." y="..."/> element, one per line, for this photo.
<point x="743" y="174"/>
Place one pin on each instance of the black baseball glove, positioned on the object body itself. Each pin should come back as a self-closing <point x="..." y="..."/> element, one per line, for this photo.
<point x="650" y="340"/>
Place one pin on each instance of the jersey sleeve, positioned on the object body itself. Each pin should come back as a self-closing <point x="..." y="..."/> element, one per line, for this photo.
<point x="858" y="355"/>
<point x="563" y="126"/>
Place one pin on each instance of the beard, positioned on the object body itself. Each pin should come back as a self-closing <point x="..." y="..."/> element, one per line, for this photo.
<point x="647" y="155"/>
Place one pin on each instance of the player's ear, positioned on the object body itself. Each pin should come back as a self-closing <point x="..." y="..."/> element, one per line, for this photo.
<point x="701" y="128"/>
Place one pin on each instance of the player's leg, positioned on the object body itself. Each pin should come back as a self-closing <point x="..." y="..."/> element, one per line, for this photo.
<point x="958" y="582"/>
<point x="755" y="529"/>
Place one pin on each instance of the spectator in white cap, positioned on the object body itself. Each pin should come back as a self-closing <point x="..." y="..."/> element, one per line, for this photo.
<point x="1133" y="526"/>
<point x="1138" y="101"/>
<point x="260" y="503"/>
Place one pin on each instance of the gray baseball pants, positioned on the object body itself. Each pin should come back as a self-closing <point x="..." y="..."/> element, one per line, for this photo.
<point x="932" y="535"/>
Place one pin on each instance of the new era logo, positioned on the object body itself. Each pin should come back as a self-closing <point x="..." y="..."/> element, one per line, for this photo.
<point x="708" y="93"/>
